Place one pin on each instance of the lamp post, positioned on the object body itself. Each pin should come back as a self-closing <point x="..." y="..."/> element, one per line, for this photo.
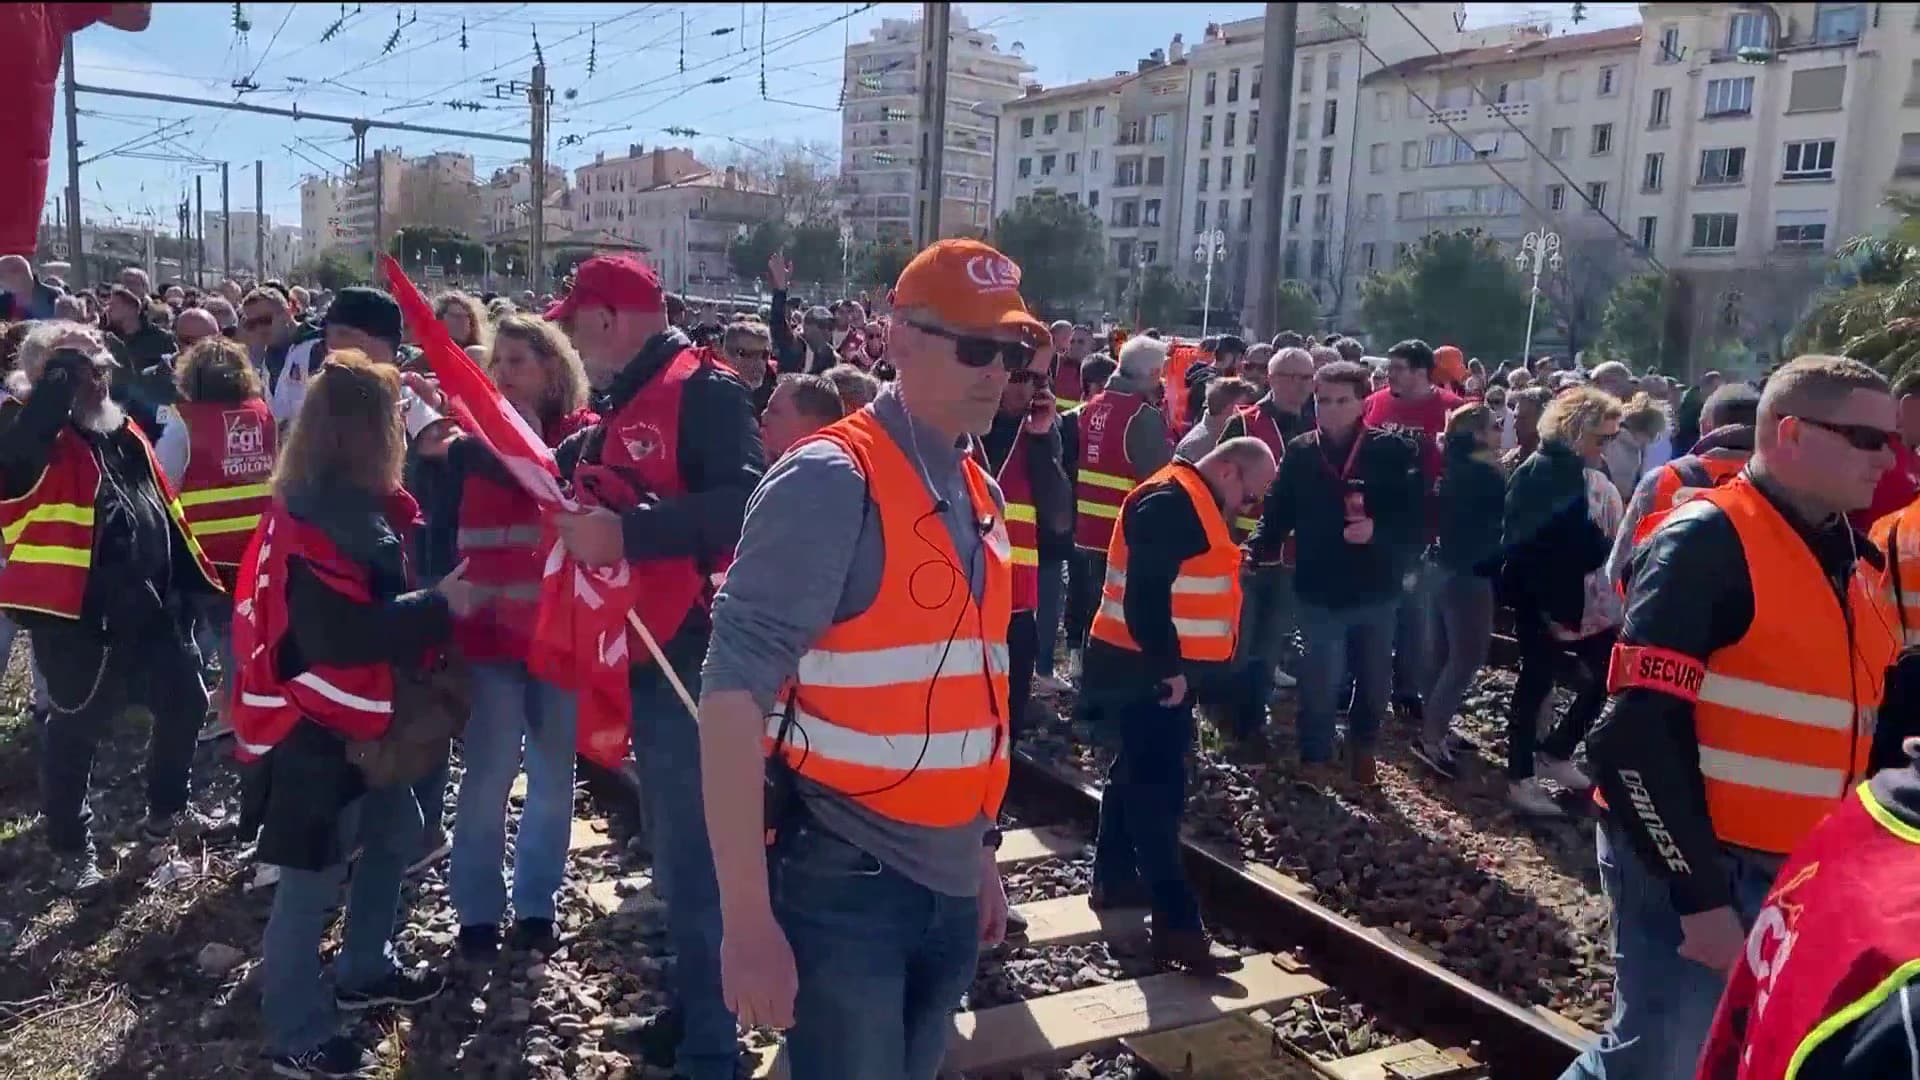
<point x="1211" y="249"/>
<point x="1539" y="250"/>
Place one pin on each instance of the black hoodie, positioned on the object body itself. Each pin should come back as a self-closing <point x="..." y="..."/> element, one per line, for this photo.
<point x="1472" y="494"/>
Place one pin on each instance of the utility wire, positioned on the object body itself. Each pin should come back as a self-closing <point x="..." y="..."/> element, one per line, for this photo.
<point x="264" y="53"/>
<point x="778" y="44"/>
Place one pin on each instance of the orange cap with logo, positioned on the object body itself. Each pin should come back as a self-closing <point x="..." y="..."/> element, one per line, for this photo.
<point x="968" y="286"/>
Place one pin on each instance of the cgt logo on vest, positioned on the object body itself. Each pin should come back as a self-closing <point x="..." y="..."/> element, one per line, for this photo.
<point x="642" y="440"/>
<point x="246" y="445"/>
<point x="1770" y="945"/>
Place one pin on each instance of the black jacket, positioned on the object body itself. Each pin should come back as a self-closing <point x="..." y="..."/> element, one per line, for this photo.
<point x="720" y="455"/>
<point x="791" y="350"/>
<point x="1690" y="593"/>
<point x="1308" y="501"/>
<point x="1551" y="540"/>
<point x="1472" y="496"/>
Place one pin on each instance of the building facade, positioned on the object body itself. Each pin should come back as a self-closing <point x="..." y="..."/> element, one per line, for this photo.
<point x="506" y="201"/>
<point x="880" y="125"/>
<point x="682" y="214"/>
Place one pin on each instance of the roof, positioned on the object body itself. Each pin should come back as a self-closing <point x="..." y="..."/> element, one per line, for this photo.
<point x="1079" y="89"/>
<point x="1547" y="48"/>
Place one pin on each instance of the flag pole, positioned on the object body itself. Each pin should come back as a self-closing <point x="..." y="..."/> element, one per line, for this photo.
<point x="673" y="677"/>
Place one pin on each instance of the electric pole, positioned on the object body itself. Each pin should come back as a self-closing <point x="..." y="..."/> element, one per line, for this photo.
<point x="226" y="227"/>
<point x="537" y="184"/>
<point x="200" y="231"/>
<point x="259" y="223"/>
<point x="379" y="205"/>
<point x="1269" y="215"/>
<point x="76" y="260"/>
<point x="933" y="123"/>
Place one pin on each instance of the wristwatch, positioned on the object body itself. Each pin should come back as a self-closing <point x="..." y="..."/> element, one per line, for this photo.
<point x="991" y="838"/>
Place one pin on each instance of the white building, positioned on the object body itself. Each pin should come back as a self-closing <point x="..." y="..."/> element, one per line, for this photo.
<point x="880" y="127"/>
<point x="214" y="228"/>
<point x="506" y="201"/>
<point x="286" y="249"/>
<point x="680" y="213"/>
<point x="322" y="220"/>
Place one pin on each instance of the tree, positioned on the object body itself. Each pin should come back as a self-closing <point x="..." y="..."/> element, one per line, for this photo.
<point x="805" y="174"/>
<point x="749" y="252"/>
<point x="1165" y="300"/>
<point x="1453" y="288"/>
<point x="1593" y="261"/>
<point x="333" y="270"/>
<point x="1298" y="308"/>
<point x="1058" y="246"/>
<point x="1633" y="323"/>
<point x="814" y="249"/>
<point x="418" y="246"/>
<point x="879" y="265"/>
<point x="569" y="260"/>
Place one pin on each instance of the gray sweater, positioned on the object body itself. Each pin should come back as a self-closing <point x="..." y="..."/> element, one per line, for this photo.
<point x="810" y="556"/>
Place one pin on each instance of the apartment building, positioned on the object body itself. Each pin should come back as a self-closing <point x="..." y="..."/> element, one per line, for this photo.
<point x="880" y="125"/>
<point x="322" y="221"/>
<point x="673" y="207"/>
<point x="214" y="226"/>
<point x="506" y="201"/>
<point x="436" y="190"/>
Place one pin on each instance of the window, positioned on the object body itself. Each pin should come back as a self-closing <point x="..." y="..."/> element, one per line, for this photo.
<point x="1026" y="127"/>
<point x="1415" y="109"/>
<point x="1556" y="196"/>
<point x="1159" y="126"/>
<point x="1724" y="166"/>
<point x="1206" y="132"/>
<point x="1200" y="216"/>
<point x="1073" y="163"/>
<point x="1290" y="262"/>
<point x="1567" y="87"/>
<point x="1093" y="200"/>
<point x="1226" y="138"/>
<point x="1099" y="115"/>
<point x="1511" y="92"/>
<point x="1410" y="154"/>
<point x="1333" y="71"/>
<point x="1810" y="160"/>
<point x="1609" y="80"/>
<point x="1602" y="139"/>
<point x="1128" y="174"/>
<point x="1093" y="161"/>
<point x="1669" y="52"/>
<point x="1559" y="140"/>
<point x="1246" y="172"/>
<point x="1233" y="86"/>
<point x="1377" y="158"/>
<point x="1149" y="252"/>
<point x="1645" y="233"/>
<point x="1715" y="231"/>
<point x="1253" y="91"/>
<point x="1213" y="78"/>
<point x="1800" y="229"/>
<point x="1150" y="214"/>
<point x="1325" y="175"/>
<point x="1376" y="205"/>
<point x="1662" y="106"/>
<point x="1653" y="172"/>
<point x="1026" y="167"/>
<point x="1051" y="124"/>
<point x="1205" y="163"/>
<point x="1317" y="262"/>
<point x="1156" y="170"/>
<point x="1730" y="97"/>
<point x="1834" y="23"/>
<point x="1220" y="213"/>
<point x="1913" y="85"/>
<point x="1817" y="89"/>
<point x="1597" y="197"/>
<point x="1127" y="214"/>
<point x="1367" y="249"/>
<point x="1383" y="103"/>
<point x="1306" y="72"/>
<point x="1329" y="118"/>
<point x="1046" y="164"/>
<point x="1299" y="168"/>
<point x="1123" y="252"/>
<point x="1302" y="121"/>
<point x="1746" y="30"/>
<point x="1077" y="120"/>
<point x="1253" y="126"/>
<point x="1293" y="211"/>
<point x="1322" y="210"/>
<point x="1246" y="215"/>
<point x="1226" y="173"/>
<point x="1407" y="206"/>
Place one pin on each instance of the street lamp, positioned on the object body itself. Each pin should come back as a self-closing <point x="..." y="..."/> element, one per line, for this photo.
<point x="1539" y="250"/>
<point x="1211" y="249"/>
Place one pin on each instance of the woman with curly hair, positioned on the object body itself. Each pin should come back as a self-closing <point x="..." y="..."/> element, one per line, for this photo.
<point x="464" y="317"/>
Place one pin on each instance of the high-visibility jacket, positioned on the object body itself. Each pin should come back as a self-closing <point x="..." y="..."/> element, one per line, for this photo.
<point x="227" y="484"/>
<point x="1681" y="481"/>
<point x="1262" y="427"/>
<point x="48" y="532"/>
<point x="640" y="458"/>
<point x="355" y="701"/>
<point x="903" y="707"/>
<point x="1839" y="935"/>
<point x="1023" y="525"/>
<point x="1784" y="716"/>
<point x="1898" y="535"/>
<point x="1106" y="473"/>
<point x="1066" y="383"/>
<point x="1206" y="592"/>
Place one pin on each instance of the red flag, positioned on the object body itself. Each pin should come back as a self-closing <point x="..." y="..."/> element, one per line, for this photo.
<point x="580" y="628"/>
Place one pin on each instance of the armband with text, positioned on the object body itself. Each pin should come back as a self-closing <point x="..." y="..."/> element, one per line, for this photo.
<point x="1645" y="667"/>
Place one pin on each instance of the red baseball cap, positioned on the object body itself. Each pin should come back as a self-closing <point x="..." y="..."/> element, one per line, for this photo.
<point x="620" y="282"/>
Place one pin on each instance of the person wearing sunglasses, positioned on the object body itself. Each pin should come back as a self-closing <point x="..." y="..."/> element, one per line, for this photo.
<point x="747" y="347"/>
<point x="866" y="612"/>
<point x="1745" y="687"/>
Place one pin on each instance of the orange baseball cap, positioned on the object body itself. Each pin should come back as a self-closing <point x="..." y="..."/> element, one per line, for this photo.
<point x="969" y="286"/>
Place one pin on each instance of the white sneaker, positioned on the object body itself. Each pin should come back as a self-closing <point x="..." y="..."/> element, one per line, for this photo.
<point x="265" y="876"/>
<point x="1283" y="681"/>
<point x="1562" y="772"/>
<point x="1528" y="797"/>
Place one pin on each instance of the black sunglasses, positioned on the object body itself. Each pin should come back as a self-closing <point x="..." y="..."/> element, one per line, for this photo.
<point x="979" y="352"/>
<point x="1859" y="436"/>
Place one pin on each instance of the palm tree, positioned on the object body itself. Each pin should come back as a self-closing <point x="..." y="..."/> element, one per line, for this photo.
<point x="1872" y="313"/>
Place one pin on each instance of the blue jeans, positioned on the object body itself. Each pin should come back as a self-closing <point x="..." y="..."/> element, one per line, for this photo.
<point x="1414" y="632"/>
<point x="666" y="744"/>
<point x="1662" y="1004"/>
<point x="1053" y="600"/>
<point x="1338" y="641"/>
<point x="882" y="960"/>
<point x="1266" y="624"/>
<point x="512" y="707"/>
<point x="1140" y="809"/>
<point x="296" y="1004"/>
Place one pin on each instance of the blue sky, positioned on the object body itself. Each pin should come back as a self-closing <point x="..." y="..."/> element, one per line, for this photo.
<point x="636" y="88"/>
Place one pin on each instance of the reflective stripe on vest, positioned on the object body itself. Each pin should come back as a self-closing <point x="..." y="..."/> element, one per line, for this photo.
<point x="1022" y="514"/>
<point x="338" y="696"/>
<point x="1205" y="593"/>
<point x="942" y="750"/>
<point x="213" y="526"/>
<point x="227" y="483"/>
<point x="517" y="536"/>
<point x="1106" y="473"/>
<point x="902" y="663"/>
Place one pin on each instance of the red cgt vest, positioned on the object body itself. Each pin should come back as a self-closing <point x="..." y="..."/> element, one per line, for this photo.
<point x="1840" y="933"/>
<point x="640" y="456"/>
<point x="1066" y="383"/>
<point x="226" y="487"/>
<point x="1262" y="427"/>
<point x="1106" y="475"/>
<point x="355" y="701"/>
<point x="1023" y="528"/>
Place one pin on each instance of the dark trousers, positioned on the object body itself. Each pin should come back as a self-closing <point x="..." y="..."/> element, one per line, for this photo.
<point x="1086" y="575"/>
<point x="1023" y="645"/>
<point x="1541" y="656"/>
<point x="1140" y="811"/>
<point x="90" y="683"/>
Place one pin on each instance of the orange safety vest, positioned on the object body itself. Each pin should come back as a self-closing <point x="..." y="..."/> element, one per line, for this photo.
<point x="48" y="532"/>
<point x="1784" y="716"/>
<point x="1681" y="481"/>
<point x="1206" y="592"/>
<point x="227" y="482"/>
<point x="903" y="707"/>
<point x="1898" y="535"/>
<point x="1106" y="473"/>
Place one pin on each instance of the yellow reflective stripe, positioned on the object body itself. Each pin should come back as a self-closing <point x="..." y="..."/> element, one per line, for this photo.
<point x="63" y="513"/>
<point x="1065" y="403"/>
<point x="1886" y="817"/>
<point x="1020" y="512"/>
<point x="1245" y="524"/>
<point x="1026" y="557"/>
<point x="1094" y="509"/>
<point x="225" y="494"/>
<point x="50" y="555"/>
<point x="1106" y="480"/>
<point x="221" y="526"/>
<point x="1867" y="1002"/>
